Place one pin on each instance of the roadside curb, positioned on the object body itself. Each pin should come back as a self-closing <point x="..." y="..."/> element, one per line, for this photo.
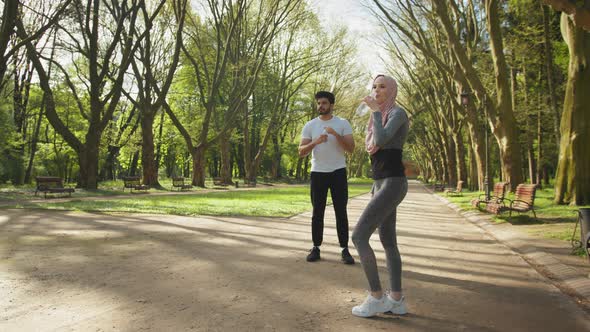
<point x="568" y="279"/>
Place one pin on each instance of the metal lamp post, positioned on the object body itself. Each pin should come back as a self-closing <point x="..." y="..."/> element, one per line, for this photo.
<point x="465" y="101"/>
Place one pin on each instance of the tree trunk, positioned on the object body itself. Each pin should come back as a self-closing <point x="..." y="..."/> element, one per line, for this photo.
<point x="572" y="184"/>
<point x="108" y="171"/>
<point x="460" y="157"/>
<point x="239" y="156"/>
<point x="531" y="160"/>
<point x="299" y="169"/>
<point x="159" y="145"/>
<point x="477" y="145"/>
<point x="198" y="155"/>
<point x="451" y="162"/>
<point x="539" y="146"/>
<point x="226" y="164"/>
<point x="20" y="97"/>
<point x="306" y="164"/>
<point x="248" y="144"/>
<point x="275" y="172"/>
<point x="148" y="157"/>
<point x="359" y="170"/>
<point x="132" y="171"/>
<point x="505" y="129"/>
<point x="88" y="159"/>
<point x="34" y="140"/>
<point x="254" y="164"/>
<point x="448" y="159"/>
<point x="9" y="15"/>
<point x="529" y="128"/>
<point x="550" y="73"/>
<point x="473" y="173"/>
<point x="186" y="166"/>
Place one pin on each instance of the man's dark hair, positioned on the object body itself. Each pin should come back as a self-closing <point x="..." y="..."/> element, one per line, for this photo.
<point x="325" y="94"/>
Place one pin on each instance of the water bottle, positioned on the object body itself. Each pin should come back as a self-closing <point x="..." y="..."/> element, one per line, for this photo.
<point x="363" y="108"/>
<point x="324" y="133"/>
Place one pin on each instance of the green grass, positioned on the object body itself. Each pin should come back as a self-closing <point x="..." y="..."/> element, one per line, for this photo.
<point x="9" y="193"/>
<point x="272" y="202"/>
<point x="553" y="221"/>
<point x="366" y="181"/>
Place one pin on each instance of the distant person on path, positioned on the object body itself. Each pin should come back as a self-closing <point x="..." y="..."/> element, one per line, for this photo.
<point x="386" y="135"/>
<point x="328" y="137"/>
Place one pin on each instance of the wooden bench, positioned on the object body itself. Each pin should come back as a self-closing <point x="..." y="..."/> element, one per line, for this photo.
<point x="178" y="182"/>
<point x="249" y="184"/>
<point x="457" y="191"/>
<point x="51" y="185"/>
<point x="134" y="183"/>
<point x="497" y="196"/>
<point x="438" y="187"/>
<point x="524" y="201"/>
<point x="218" y="181"/>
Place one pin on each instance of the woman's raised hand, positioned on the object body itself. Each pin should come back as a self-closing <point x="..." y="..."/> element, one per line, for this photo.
<point x="372" y="103"/>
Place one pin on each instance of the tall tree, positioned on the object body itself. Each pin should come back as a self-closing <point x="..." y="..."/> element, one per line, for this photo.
<point x="550" y="72"/>
<point x="295" y="57"/>
<point x="7" y="25"/>
<point x="419" y="29"/>
<point x="572" y="184"/>
<point x="152" y="64"/>
<point x="500" y="115"/>
<point x="232" y="23"/>
<point x="12" y="12"/>
<point x="100" y="28"/>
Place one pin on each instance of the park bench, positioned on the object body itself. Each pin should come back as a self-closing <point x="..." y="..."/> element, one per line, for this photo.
<point x="178" y="182"/>
<point x="218" y="181"/>
<point x="438" y="187"/>
<point x="457" y="191"/>
<point x="250" y="183"/>
<point x="497" y="195"/>
<point x="134" y="183"/>
<point x="51" y="185"/>
<point x="524" y="201"/>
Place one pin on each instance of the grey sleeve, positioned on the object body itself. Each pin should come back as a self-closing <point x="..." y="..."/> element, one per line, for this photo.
<point x="383" y="135"/>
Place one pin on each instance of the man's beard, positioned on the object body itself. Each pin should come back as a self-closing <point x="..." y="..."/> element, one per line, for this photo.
<point x="323" y="111"/>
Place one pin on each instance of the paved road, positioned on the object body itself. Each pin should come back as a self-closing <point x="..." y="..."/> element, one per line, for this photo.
<point x="71" y="271"/>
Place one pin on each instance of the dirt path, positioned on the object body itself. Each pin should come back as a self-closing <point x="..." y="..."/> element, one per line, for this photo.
<point x="69" y="271"/>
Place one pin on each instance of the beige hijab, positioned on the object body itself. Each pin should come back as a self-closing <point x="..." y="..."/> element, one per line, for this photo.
<point x="386" y="107"/>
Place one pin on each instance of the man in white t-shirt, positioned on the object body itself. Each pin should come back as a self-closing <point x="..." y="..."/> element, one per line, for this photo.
<point x="328" y="137"/>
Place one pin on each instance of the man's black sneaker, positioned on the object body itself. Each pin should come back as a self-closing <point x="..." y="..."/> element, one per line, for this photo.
<point x="346" y="257"/>
<point x="314" y="254"/>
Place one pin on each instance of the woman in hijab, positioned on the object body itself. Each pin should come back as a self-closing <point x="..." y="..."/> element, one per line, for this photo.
<point x="386" y="135"/>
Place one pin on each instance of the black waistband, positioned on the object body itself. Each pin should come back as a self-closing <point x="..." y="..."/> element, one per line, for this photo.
<point x="387" y="163"/>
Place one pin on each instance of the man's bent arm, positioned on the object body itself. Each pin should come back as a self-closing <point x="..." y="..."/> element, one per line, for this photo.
<point x="306" y="146"/>
<point x="346" y="142"/>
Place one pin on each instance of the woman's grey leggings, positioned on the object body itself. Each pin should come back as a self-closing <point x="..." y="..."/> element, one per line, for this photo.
<point x="381" y="212"/>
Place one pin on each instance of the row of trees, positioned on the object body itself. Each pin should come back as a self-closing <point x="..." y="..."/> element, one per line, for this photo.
<point x="513" y="62"/>
<point x="96" y="89"/>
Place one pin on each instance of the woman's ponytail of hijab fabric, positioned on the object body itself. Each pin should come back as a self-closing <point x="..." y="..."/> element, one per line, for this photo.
<point x="386" y="107"/>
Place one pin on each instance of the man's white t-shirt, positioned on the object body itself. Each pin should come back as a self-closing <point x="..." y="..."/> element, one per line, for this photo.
<point x="328" y="156"/>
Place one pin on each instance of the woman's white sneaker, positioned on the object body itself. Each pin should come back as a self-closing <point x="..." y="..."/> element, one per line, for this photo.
<point x="372" y="306"/>
<point x="397" y="307"/>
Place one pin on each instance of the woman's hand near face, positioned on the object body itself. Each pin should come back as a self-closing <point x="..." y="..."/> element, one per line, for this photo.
<point x="372" y="103"/>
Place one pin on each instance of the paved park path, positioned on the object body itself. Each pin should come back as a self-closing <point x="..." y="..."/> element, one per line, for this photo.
<point x="73" y="271"/>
